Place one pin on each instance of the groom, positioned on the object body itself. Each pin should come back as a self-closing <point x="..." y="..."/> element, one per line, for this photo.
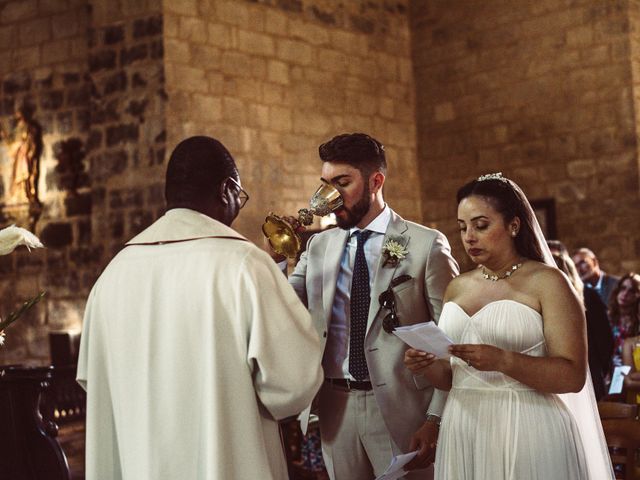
<point x="371" y="407"/>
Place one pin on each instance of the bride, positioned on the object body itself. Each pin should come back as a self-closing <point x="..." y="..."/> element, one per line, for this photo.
<point x="519" y="406"/>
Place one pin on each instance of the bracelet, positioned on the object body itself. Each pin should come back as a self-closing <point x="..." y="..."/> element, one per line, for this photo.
<point x="433" y="418"/>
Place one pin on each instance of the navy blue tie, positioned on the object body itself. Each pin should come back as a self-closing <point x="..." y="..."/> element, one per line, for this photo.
<point x="360" y="299"/>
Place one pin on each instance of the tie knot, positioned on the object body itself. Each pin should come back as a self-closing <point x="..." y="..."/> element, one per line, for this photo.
<point x="362" y="236"/>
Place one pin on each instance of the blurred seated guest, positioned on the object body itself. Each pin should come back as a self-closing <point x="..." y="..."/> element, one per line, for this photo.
<point x="623" y="313"/>
<point x="599" y="334"/>
<point x="631" y="356"/>
<point x="592" y="275"/>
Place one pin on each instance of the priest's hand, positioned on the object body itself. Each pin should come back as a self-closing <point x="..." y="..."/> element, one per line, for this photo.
<point x="425" y="441"/>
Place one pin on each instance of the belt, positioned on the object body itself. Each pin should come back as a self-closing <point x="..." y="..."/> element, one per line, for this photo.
<point x="349" y="384"/>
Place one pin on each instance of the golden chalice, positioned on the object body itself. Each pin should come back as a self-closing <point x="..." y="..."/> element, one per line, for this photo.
<point x="282" y="235"/>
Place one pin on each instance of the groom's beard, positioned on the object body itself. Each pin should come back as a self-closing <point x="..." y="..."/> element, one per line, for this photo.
<point x="356" y="213"/>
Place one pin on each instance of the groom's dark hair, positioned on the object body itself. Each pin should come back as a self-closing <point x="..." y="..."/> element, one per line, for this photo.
<point x="356" y="149"/>
<point x="196" y="167"/>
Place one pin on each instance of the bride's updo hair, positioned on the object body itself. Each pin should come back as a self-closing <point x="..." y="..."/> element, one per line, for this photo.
<point x="508" y="200"/>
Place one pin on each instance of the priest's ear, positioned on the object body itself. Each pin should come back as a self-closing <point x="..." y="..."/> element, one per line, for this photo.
<point x="225" y="195"/>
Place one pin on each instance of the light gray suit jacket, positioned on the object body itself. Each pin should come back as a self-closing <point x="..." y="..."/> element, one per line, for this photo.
<point x="402" y="397"/>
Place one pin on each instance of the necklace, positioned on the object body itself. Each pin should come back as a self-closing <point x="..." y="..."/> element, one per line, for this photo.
<point x="507" y="274"/>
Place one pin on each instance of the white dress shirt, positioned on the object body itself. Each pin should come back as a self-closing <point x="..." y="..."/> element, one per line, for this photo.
<point x="336" y="355"/>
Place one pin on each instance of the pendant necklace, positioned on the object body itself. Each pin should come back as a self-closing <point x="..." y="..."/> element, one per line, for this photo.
<point x="494" y="278"/>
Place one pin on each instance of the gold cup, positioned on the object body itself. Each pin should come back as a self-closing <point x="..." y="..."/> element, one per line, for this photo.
<point x="282" y="235"/>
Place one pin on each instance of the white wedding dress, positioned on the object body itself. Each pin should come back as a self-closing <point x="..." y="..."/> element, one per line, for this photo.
<point x="495" y="427"/>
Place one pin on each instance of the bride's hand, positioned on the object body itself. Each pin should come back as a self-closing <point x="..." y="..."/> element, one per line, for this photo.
<point x="417" y="360"/>
<point x="481" y="357"/>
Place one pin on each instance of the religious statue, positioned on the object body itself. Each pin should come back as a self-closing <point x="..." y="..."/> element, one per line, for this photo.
<point x="25" y="149"/>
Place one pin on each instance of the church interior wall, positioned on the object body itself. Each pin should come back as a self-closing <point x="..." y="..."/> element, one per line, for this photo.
<point x="543" y="91"/>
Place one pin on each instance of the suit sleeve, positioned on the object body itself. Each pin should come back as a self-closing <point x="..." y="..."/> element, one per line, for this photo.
<point x="284" y="350"/>
<point x="299" y="276"/>
<point x="440" y="270"/>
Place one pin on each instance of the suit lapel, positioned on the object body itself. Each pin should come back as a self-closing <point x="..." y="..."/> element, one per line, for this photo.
<point x="331" y="267"/>
<point x="384" y="275"/>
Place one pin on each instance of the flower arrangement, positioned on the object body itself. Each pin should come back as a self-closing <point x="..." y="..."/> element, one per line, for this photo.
<point x="10" y="238"/>
<point x="394" y="250"/>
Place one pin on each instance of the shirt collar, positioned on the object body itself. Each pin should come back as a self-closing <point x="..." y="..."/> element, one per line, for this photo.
<point x="378" y="224"/>
<point x="598" y="285"/>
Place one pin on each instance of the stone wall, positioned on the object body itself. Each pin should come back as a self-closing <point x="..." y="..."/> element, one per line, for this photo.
<point x="95" y="74"/>
<point x="127" y="135"/>
<point x="542" y="91"/>
<point x="274" y="79"/>
<point x="43" y="49"/>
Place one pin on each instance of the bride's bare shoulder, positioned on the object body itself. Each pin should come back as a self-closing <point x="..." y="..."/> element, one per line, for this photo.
<point x="546" y="277"/>
<point x="460" y="284"/>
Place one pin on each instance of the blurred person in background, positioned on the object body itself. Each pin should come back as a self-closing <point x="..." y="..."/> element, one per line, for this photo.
<point x="599" y="334"/>
<point x="592" y="275"/>
<point x="623" y="312"/>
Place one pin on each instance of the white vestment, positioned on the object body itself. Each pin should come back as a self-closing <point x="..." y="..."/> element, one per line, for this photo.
<point x="192" y="348"/>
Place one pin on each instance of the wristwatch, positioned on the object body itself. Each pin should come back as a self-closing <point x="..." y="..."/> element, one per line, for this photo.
<point x="433" y="418"/>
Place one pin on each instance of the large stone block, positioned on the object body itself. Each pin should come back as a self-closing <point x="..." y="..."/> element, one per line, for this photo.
<point x="207" y="109"/>
<point x="35" y="31"/>
<point x="183" y="7"/>
<point x="15" y="10"/>
<point x="278" y="72"/>
<point x="26" y="58"/>
<point x="178" y="51"/>
<point x="57" y="235"/>
<point x="255" y="43"/>
<point x="67" y="25"/>
<point x="310" y="32"/>
<point x="294" y="51"/>
<point x="220" y="35"/>
<point x="234" y="111"/>
<point x="186" y="78"/>
<point x="193" y="29"/>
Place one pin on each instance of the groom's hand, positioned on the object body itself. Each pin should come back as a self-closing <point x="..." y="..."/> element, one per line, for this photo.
<point x="424" y="440"/>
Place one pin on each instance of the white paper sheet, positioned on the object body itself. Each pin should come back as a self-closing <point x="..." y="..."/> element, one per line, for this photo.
<point x="426" y="336"/>
<point x="395" y="469"/>
<point x="617" y="379"/>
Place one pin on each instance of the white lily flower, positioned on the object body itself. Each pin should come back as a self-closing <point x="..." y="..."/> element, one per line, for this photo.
<point x="13" y="236"/>
<point x="2" y="335"/>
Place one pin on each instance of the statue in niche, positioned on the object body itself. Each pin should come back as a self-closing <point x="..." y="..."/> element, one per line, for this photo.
<point x="25" y="149"/>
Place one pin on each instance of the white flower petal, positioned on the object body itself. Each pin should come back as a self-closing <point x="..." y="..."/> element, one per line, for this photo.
<point x="13" y="236"/>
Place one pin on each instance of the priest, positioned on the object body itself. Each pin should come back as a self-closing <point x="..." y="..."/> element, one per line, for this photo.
<point x="193" y="343"/>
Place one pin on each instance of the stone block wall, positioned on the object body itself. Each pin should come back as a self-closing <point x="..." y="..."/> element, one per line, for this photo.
<point x="43" y="49"/>
<point x="95" y="74"/>
<point x="273" y="80"/>
<point x="543" y="91"/>
<point x="127" y="134"/>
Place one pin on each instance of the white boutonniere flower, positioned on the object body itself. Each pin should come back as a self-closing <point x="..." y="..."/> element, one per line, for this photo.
<point x="394" y="250"/>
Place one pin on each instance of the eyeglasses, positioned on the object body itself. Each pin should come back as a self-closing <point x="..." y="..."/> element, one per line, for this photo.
<point x="388" y="300"/>
<point x="243" y="196"/>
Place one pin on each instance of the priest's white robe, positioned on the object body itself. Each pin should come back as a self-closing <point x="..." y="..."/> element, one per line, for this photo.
<point x="192" y="348"/>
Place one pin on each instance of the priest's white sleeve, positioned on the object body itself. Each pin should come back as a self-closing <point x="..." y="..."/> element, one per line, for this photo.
<point x="283" y="350"/>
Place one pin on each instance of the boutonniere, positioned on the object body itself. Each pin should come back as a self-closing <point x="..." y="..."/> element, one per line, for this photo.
<point x="394" y="250"/>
